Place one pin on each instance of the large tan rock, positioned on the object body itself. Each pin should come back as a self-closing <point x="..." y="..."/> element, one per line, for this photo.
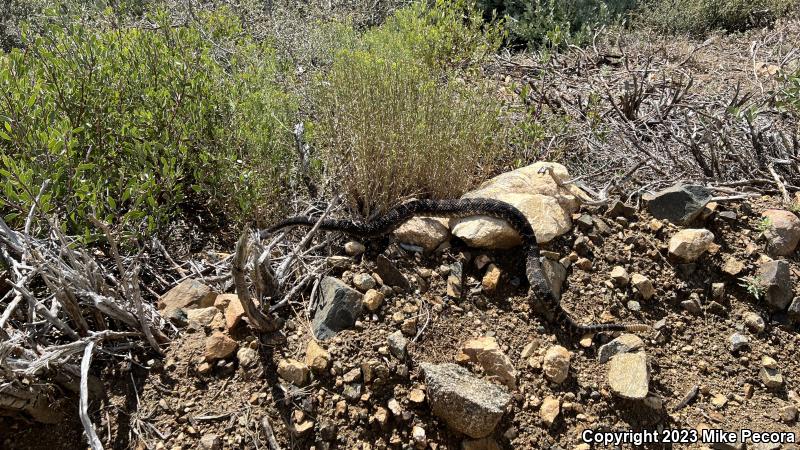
<point x="688" y="245"/>
<point x="219" y="346"/>
<point x="234" y="311"/>
<point x="628" y="375"/>
<point x="556" y="364"/>
<point x="294" y="372"/>
<point x="317" y="358"/>
<point x="547" y="206"/>
<point x="188" y="294"/>
<point x="427" y="232"/>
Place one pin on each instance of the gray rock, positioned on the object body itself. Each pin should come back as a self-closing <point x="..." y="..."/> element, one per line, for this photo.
<point x="692" y="306"/>
<point x="555" y="273"/>
<point x="738" y="342"/>
<point x="390" y="274"/>
<point x="782" y="231"/>
<point x="680" y="204"/>
<point x="210" y="442"/>
<point x="352" y="392"/>
<point x="467" y="404"/>
<point x="794" y="310"/>
<point x="363" y="282"/>
<point x="754" y="322"/>
<point x="775" y="277"/>
<point x="338" y="308"/>
<point x="397" y="344"/>
<point x="618" y="209"/>
<point x="623" y="344"/>
<point x="628" y="376"/>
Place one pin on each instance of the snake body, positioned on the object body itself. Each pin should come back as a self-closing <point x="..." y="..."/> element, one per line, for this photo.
<point x="387" y="223"/>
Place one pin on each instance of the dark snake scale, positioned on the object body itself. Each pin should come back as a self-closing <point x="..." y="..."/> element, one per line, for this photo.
<point x="387" y="223"/>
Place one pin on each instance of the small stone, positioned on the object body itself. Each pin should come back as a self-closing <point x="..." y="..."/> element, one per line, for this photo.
<point x="219" y="346"/>
<point x="247" y="357"/>
<point x="775" y="277"/>
<point x="418" y="435"/>
<point x="584" y="264"/>
<point x="364" y="282"/>
<point x="737" y="342"/>
<point x="233" y="310"/>
<point x="202" y="316"/>
<point x="339" y="307"/>
<point x="555" y="274"/>
<point x="619" y="276"/>
<point x="373" y="300"/>
<point x="303" y="427"/>
<point x="416" y="396"/>
<point x="549" y="410"/>
<point x="425" y="232"/>
<point x="394" y="407"/>
<point x="688" y="245"/>
<point x="556" y="363"/>
<point x="352" y="376"/>
<point x="719" y="400"/>
<point x="390" y="274"/>
<point x="733" y="266"/>
<point x="771" y="377"/>
<point x="782" y="231"/>
<point x="381" y="416"/>
<point x="293" y="371"/>
<point x="623" y="344"/>
<point x="643" y="285"/>
<point x="491" y="279"/>
<point x="317" y="358"/>
<point x="210" y="442"/>
<point x="628" y="375"/>
<point x="788" y="413"/>
<point x="354" y="248"/>
<point x="754" y="322"/>
<point x="204" y="368"/>
<point x="692" y="306"/>
<point x="409" y="326"/>
<point x="717" y="291"/>
<point x="769" y="362"/>
<point x="633" y="305"/>
<point x="187" y="294"/>
<point x="794" y="310"/>
<point x="485" y="351"/>
<point x="487" y="443"/>
<point x="397" y="344"/>
<point x="352" y="392"/>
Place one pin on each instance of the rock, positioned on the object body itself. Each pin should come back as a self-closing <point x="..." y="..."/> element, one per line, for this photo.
<point x="202" y="316"/>
<point x="485" y="351"/>
<point x="546" y="205"/>
<point x="482" y="261"/>
<point x="794" y="310"/>
<point x="692" y="306"/>
<point x="487" y="443"/>
<point x="788" y="413"/>
<point x="782" y="231"/>
<point x="354" y="248"/>
<point x="418" y="435"/>
<point x="754" y="322"/>
<point x="719" y="400"/>
<point x="397" y="344"/>
<point x="556" y="363"/>
<point x="390" y="274"/>
<point x="680" y="204"/>
<point x="687" y="245"/>
<point x="623" y="344"/>
<point x="718" y="291"/>
<point x="771" y="377"/>
<point x="491" y="278"/>
<point x="303" y="427"/>
<point x="426" y="232"/>
<point x="247" y="357"/>
<point x="234" y="311"/>
<point x="409" y="326"/>
<point x="643" y="285"/>
<point x="737" y="342"/>
<point x="774" y="276"/>
<point x="374" y="371"/>
<point x="619" y="209"/>
<point x="467" y="404"/>
<point x="584" y="264"/>
<point x="219" y="346"/>
<point x="628" y="375"/>
<point x="373" y="300"/>
<point x="619" y="276"/>
<point x="416" y="396"/>
<point x="186" y="295"/>
<point x="549" y="410"/>
<point x="294" y="372"/>
<point x="364" y="282"/>
<point x="338" y="308"/>
<point x="733" y="266"/>
<point x="339" y="262"/>
<point x="210" y="442"/>
<point x="555" y="273"/>
<point x="317" y="358"/>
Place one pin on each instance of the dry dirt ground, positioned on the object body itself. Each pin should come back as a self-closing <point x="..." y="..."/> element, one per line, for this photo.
<point x="170" y="405"/>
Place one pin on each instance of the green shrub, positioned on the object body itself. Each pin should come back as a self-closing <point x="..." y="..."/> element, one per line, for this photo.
<point x="391" y="129"/>
<point x="131" y="125"/>
<point x="446" y="34"/>
<point x="698" y="17"/>
<point x="553" y="22"/>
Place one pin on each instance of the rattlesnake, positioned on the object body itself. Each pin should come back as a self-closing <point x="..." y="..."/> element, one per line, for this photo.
<point x="540" y="288"/>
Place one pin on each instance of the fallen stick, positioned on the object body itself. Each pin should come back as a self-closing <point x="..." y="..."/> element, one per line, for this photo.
<point x="83" y="406"/>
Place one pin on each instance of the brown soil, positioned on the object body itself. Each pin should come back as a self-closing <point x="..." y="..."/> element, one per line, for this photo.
<point x="176" y="405"/>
